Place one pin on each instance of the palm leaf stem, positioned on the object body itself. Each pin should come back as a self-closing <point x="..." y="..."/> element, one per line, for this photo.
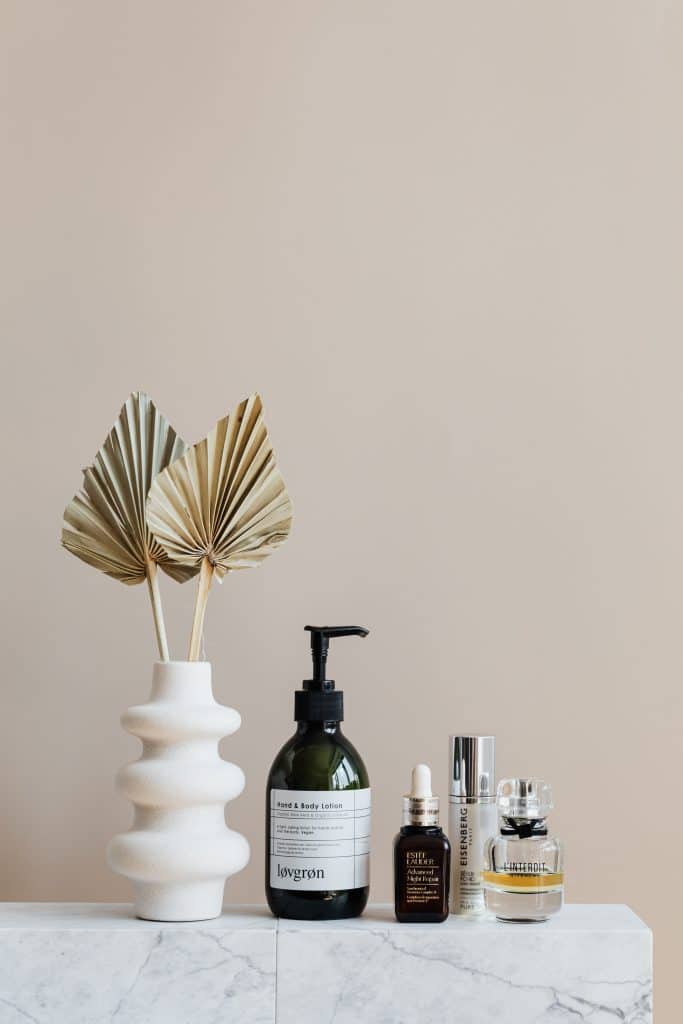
<point x="205" y="578"/>
<point x="157" y="610"/>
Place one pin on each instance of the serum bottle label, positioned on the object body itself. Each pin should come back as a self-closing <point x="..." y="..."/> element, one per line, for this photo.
<point x="422" y="881"/>
<point x="319" y="839"/>
<point x="470" y="825"/>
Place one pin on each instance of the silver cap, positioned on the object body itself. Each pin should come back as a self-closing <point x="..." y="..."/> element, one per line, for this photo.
<point x="472" y="767"/>
<point x="420" y="811"/>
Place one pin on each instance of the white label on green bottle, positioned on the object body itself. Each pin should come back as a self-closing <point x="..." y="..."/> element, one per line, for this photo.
<point x="319" y="840"/>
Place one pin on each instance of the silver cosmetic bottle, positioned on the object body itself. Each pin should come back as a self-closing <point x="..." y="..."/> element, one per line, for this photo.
<point x="472" y="818"/>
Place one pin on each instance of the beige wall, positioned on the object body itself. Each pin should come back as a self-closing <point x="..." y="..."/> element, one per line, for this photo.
<point x="443" y="240"/>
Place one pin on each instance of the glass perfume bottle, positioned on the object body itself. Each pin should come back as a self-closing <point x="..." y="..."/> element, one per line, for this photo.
<point x="523" y="874"/>
<point x="422" y="856"/>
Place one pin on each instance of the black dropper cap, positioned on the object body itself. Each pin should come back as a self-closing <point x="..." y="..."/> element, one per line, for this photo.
<point x="319" y="701"/>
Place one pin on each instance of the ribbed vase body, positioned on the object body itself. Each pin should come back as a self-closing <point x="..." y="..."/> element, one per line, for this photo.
<point x="179" y="851"/>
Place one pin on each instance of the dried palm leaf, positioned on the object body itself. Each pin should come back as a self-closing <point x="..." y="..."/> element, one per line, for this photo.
<point x="222" y="506"/>
<point x="105" y="524"/>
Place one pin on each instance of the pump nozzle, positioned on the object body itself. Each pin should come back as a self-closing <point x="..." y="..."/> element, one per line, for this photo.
<point x="320" y="642"/>
<point x="319" y="701"/>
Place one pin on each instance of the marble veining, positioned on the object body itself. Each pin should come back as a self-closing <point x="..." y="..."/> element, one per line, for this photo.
<point x="139" y="975"/>
<point x="595" y="966"/>
<point x="92" y="964"/>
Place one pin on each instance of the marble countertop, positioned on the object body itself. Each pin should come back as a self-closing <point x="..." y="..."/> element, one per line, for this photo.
<point x="113" y="916"/>
<point x="116" y="916"/>
<point x="76" y="963"/>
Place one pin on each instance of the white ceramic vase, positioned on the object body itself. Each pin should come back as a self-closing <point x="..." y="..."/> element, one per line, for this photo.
<point x="179" y="851"/>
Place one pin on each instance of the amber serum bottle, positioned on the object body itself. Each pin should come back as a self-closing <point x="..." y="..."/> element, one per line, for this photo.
<point x="422" y="856"/>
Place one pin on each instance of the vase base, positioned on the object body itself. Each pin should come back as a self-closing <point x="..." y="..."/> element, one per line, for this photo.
<point x="179" y="901"/>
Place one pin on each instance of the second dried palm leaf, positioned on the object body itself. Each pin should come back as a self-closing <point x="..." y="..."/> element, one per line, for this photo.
<point x="222" y="506"/>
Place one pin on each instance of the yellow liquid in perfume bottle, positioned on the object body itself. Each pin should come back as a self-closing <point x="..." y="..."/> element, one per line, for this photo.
<point x="543" y="882"/>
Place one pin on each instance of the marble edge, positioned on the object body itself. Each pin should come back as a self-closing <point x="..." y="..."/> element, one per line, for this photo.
<point x="575" y="917"/>
<point x="50" y="916"/>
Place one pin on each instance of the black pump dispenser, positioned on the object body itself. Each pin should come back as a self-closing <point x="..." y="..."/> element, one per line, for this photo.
<point x="319" y="701"/>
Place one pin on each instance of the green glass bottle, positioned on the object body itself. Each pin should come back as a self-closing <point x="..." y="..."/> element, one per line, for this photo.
<point x="318" y="805"/>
